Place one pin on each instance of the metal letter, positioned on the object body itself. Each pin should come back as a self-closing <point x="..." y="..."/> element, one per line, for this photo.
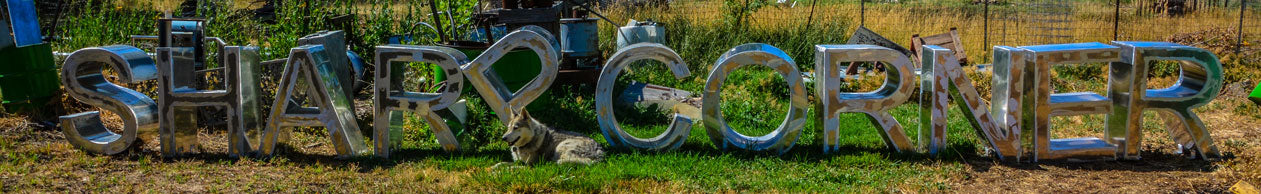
<point x="941" y="71"/>
<point x="1199" y="83"/>
<point x="780" y="140"/>
<point x="335" y="43"/>
<point x="501" y="99"/>
<point x="1047" y="104"/>
<point x="680" y="126"/>
<point x="391" y="98"/>
<point x="896" y="90"/>
<point x="82" y="77"/>
<point x="1011" y="80"/>
<point x="334" y="109"/>
<point x="180" y="97"/>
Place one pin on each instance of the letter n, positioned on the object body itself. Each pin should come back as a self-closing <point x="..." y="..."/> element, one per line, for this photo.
<point x="941" y="74"/>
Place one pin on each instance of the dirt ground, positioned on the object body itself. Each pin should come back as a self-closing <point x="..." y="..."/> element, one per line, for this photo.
<point x="1236" y="135"/>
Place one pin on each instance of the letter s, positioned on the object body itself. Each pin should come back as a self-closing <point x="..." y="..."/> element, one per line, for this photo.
<point x="81" y="74"/>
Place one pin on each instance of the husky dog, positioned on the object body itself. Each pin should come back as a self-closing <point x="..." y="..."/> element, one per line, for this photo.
<point x="533" y="142"/>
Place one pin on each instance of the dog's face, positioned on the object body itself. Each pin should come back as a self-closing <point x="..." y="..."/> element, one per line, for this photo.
<point x="519" y="131"/>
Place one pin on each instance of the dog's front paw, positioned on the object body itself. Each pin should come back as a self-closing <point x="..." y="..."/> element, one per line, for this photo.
<point x="505" y="166"/>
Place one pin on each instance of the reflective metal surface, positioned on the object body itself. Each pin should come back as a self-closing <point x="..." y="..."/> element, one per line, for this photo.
<point x="335" y="43"/>
<point x="780" y="140"/>
<point x="180" y="97"/>
<point x="1007" y="101"/>
<point x="391" y="98"/>
<point x="1046" y="103"/>
<point x="941" y="71"/>
<point x="680" y="126"/>
<point x="898" y="86"/>
<point x="1199" y="82"/>
<point x="334" y="110"/>
<point x="501" y="99"/>
<point x="81" y="74"/>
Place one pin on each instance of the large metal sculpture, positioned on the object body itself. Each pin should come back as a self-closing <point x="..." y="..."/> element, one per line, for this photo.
<point x="897" y="88"/>
<point x="180" y="97"/>
<point x="391" y="98"/>
<point x="1022" y="98"/>
<point x="680" y="126"/>
<point x="334" y="110"/>
<point x="83" y="79"/>
<point x="1199" y="82"/>
<point x="782" y="138"/>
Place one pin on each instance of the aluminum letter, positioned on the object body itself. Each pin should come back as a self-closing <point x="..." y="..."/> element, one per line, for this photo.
<point x="1010" y="82"/>
<point x="81" y="74"/>
<point x="780" y="140"/>
<point x="334" y="109"/>
<point x="501" y="99"/>
<point x="897" y="88"/>
<point x="391" y="98"/>
<point x="944" y="78"/>
<point x="1047" y="104"/>
<point x="1199" y="82"/>
<point x="179" y="99"/>
<point x="680" y="126"/>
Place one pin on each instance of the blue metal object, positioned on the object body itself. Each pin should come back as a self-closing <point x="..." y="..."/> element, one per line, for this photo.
<point x="579" y="37"/>
<point x="25" y="25"/>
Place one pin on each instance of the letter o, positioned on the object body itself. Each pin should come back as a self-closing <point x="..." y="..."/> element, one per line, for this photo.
<point x="780" y="140"/>
<point x="680" y="126"/>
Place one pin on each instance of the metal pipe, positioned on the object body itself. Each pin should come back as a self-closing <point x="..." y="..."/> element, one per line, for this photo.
<point x="451" y="19"/>
<point x="433" y="10"/>
<point x="144" y="37"/>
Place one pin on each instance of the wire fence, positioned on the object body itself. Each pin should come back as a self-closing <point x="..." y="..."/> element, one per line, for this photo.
<point x="982" y="24"/>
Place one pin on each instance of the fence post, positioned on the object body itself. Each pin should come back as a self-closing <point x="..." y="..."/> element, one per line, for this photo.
<point x="986" y="25"/>
<point x="1116" y="21"/>
<point x="744" y="12"/>
<point x="862" y="13"/>
<point x="809" y="19"/>
<point x="1243" y="5"/>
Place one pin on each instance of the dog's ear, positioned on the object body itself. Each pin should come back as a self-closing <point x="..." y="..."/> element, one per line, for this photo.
<point x="518" y="112"/>
<point x="523" y="114"/>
